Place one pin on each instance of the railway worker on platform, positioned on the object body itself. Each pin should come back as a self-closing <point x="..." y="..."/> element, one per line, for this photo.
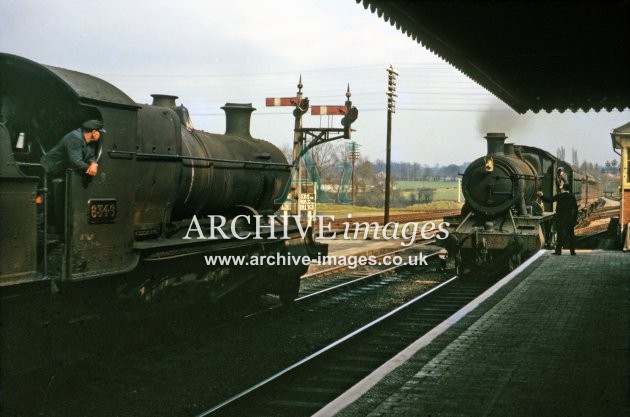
<point x="75" y="150"/>
<point x="566" y="217"/>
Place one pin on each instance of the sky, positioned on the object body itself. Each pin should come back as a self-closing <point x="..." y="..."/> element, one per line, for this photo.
<point x="210" y="52"/>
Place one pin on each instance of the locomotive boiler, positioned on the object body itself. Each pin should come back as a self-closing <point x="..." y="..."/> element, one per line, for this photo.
<point x="78" y="246"/>
<point x="502" y="219"/>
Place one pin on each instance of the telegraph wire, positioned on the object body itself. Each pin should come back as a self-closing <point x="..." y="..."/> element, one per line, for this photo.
<point x="436" y="66"/>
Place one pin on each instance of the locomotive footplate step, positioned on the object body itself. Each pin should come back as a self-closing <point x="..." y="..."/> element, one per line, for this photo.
<point x="553" y="342"/>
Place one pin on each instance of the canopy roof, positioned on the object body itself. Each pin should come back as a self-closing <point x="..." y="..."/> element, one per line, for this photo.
<point x="552" y="55"/>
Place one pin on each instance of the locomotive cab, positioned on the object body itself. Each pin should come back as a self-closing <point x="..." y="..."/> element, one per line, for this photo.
<point x="39" y="105"/>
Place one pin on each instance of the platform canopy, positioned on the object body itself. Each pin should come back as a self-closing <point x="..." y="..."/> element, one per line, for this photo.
<point x="551" y="55"/>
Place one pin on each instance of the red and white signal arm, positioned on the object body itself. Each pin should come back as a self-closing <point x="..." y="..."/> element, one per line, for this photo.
<point x="281" y="101"/>
<point x="328" y="110"/>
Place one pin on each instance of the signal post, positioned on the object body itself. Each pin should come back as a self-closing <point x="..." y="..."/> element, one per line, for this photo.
<point x="317" y="135"/>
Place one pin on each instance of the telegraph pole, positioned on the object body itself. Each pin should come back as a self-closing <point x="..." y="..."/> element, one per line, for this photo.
<point x="353" y="151"/>
<point x="391" y="108"/>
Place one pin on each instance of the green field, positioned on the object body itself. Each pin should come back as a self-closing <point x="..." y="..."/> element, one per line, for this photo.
<point x="444" y="198"/>
<point x="340" y="210"/>
<point x="414" y="185"/>
<point x="444" y="190"/>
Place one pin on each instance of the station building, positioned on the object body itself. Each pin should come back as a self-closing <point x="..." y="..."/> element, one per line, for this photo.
<point x="621" y="142"/>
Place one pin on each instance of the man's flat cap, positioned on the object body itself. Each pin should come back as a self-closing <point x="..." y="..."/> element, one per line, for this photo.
<point x="93" y="125"/>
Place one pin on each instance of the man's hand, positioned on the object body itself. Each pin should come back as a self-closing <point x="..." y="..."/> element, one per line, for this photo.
<point x="92" y="169"/>
<point x="539" y="193"/>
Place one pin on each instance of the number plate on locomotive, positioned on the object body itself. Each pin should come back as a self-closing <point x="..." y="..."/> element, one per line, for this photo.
<point x="103" y="210"/>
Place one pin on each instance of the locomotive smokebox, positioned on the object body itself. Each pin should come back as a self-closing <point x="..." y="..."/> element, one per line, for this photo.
<point x="237" y="119"/>
<point x="495" y="143"/>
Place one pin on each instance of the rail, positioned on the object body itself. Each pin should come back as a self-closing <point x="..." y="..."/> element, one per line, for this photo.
<point x="326" y="349"/>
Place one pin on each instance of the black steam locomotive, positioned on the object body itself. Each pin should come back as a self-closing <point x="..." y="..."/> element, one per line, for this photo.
<point x="502" y="219"/>
<point x="155" y="173"/>
<point x="80" y="246"/>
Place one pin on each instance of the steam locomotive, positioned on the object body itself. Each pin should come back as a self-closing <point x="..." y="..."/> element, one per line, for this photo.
<point x="502" y="219"/>
<point x="80" y="246"/>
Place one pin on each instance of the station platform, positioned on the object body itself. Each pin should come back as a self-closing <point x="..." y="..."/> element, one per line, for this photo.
<point x="551" y="339"/>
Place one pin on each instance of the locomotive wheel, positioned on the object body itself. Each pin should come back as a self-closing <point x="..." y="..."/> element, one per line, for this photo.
<point x="464" y="263"/>
<point x="288" y="290"/>
<point x="463" y="270"/>
<point x="458" y="269"/>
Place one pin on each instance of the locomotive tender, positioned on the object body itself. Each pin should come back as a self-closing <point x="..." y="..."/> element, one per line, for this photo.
<point x="502" y="219"/>
<point x="155" y="172"/>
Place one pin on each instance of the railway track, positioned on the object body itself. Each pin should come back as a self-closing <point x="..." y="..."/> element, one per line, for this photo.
<point x="338" y="281"/>
<point x="311" y="370"/>
<point x="420" y="216"/>
<point x="597" y="222"/>
<point x="604" y="213"/>
<point x="308" y="384"/>
<point x="344" y="273"/>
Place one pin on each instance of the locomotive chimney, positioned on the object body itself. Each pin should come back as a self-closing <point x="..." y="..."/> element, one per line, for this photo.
<point x="237" y="119"/>
<point x="164" y="100"/>
<point x="495" y="143"/>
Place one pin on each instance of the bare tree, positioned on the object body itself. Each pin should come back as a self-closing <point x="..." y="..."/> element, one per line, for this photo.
<point x="287" y="150"/>
<point x="326" y="158"/>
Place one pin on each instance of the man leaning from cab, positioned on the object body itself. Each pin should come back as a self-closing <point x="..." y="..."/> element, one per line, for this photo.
<point x="75" y="150"/>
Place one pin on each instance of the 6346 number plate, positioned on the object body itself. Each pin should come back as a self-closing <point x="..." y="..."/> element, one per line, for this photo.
<point x="103" y="210"/>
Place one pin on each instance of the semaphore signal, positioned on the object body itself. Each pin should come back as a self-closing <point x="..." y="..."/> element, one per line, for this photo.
<point x="317" y="136"/>
<point x="328" y="110"/>
<point x="281" y="101"/>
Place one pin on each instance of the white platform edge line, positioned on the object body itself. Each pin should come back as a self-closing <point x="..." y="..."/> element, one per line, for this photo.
<point x="360" y="388"/>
